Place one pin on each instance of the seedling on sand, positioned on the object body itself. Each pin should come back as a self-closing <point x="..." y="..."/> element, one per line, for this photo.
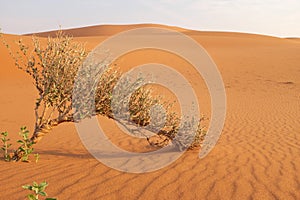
<point x="26" y="145"/>
<point x="5" y="146"/>
<point x="37" y="189"/>
<point x="24" y="150"/>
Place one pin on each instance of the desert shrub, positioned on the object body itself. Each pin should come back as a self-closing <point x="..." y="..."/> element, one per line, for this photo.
<point x="145" y="111"/>
<point x="36" y="190"/>
<point x="141" y="102"/>
<point x="53" y="68"/>
<point x="183" y="139"/>
<point x="103" y="96"/>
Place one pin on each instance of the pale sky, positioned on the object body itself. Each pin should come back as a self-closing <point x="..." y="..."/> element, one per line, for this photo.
<point x="270" y="17"/>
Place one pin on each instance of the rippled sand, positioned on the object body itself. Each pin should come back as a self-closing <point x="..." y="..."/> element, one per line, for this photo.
<point x="257" y="156"/>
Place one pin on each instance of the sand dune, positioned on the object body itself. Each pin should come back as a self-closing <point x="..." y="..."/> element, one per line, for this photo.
<point x="104" y="30"/>
<point x="257" y="156"/>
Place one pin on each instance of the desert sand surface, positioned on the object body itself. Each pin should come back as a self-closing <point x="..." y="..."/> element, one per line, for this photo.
<point x="294" y="39"/>
<point x="256" y="157"/>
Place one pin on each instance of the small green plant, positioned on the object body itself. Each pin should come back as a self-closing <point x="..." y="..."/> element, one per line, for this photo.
<point x="5" y="146"/>
<point x="24" y="150"/>
<point x="37" y="189"/>
<point x="26" y="144"/>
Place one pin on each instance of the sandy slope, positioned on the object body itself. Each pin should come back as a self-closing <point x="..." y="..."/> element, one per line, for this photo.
<point x="257" y="157"/>
<point x="105" y="30"/>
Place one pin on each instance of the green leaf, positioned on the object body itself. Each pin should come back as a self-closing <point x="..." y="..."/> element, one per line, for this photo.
<point x="42" y="188"/>
<point x="50" y="199"/>
<point x="35" y="189"/>
<point x="42" y="193"/>
<point x="44" y="184"/>
<point x="21" y="149"/>
<point x="31" y="197"/>
<point x="29" y="151"/>
<point x="20" y="141"/>
<point x="5" y="134"/>
<point x="27" y="187"/>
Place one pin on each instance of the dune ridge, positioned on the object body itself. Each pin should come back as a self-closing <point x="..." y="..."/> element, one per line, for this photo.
<point x="103" y="30"/>
<point x="108" y="30"/>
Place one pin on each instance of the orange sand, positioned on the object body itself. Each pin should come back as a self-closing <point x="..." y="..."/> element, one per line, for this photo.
<point x="257" y="156"/>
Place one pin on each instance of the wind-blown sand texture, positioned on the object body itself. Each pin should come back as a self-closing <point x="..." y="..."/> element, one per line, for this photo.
<point x="257" y="156"/>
